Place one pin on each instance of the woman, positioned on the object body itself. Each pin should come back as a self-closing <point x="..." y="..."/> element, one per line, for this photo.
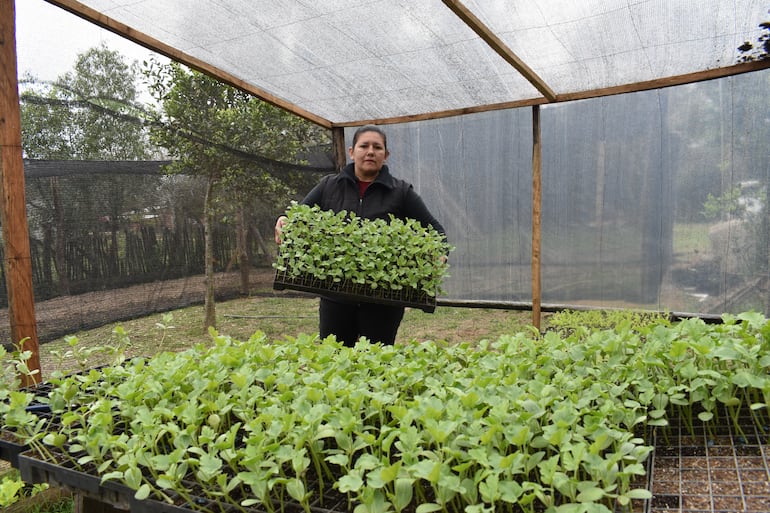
<point x="367" y="188"/>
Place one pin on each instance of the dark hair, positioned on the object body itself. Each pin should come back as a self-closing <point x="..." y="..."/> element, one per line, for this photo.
<point x="370" y="128"/>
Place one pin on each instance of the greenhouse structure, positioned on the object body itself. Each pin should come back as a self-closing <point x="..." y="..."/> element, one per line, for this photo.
<point x="593" y="154"/>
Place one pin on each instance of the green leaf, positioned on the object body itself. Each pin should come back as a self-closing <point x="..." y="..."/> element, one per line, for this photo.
<point x="338" y="459"/>
<point x="390" y="472"/>
<point x="143" y="492"/>
<point x="571" y="508"/>
<point x="115" y="475"/>
<point x="166" y="483"/>
<point x="350" y="483"/>
<point x="209" y="465"/>
<point x="639" y="493"/>
<point x="592" y="494"/>
<point x="688" y="371"/>
<point x="755" y="319"/>
<point x="296" y="488"/>
<point x="133" y="477"/>
<point x="55" y="439"/>
<point x="404" y="490"/>
<point x="510" y="491"/>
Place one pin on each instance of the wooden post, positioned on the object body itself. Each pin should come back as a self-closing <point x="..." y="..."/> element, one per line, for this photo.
<point x="13" y="204"/>
<point x="338" y="147"/>
<point x="536" y="209"/>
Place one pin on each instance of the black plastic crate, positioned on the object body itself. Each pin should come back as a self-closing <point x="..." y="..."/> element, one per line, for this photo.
<point x="346" y="289"/>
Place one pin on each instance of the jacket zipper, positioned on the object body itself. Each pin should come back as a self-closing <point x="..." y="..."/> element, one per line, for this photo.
<point x="361" y="202"/>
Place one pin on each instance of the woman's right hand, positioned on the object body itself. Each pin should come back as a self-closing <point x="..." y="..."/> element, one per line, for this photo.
<point x="279" y="224"/>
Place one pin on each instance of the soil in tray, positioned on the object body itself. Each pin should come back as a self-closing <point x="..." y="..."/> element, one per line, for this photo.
<point x="10" y="448"/>
<point x="10" y="443"/>
<point x="711" y="470"/>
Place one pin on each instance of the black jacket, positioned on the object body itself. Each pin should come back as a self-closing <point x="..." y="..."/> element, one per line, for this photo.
<point x="386" y="195"/>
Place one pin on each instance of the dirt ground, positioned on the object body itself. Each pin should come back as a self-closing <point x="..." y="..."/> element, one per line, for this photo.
<point x="68" y="314"/>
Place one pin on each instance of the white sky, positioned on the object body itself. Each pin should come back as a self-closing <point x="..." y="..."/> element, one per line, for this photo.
<point x="49" y="39"/>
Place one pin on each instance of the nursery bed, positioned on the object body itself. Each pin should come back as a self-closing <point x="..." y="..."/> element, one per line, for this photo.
<point x="695" y="467"/>
<point x="716" y="470"/>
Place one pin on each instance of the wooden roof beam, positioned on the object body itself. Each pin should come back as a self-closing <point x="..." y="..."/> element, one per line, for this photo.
<point x="500" y="47"/>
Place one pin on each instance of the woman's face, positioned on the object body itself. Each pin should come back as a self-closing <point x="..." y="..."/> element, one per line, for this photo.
<point x="368" y="155"/>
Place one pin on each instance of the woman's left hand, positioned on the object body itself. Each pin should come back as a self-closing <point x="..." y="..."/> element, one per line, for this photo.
<point x="279" y="224"/>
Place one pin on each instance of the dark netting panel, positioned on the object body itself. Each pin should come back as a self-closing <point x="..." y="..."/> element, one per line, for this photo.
<point x="653" y="200"/>
<point x="115" y="240"/>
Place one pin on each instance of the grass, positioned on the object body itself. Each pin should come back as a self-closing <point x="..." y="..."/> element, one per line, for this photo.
<point x="691" y="238"/>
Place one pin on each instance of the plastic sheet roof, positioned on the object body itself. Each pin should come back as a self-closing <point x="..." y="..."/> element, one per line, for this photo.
<point x="345" y="62"/>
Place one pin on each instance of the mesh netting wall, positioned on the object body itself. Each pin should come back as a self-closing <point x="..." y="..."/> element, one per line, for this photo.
<point x="115" y="240"/>
<point x="651" y="200"/>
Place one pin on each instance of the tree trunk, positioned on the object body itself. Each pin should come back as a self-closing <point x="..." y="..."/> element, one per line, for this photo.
<point x="243" y="256"/>
<point x="260" y="241"/>
<point x="113" y="264"/>
<point x="60" y="254"/>
<point x="210" y="314"/>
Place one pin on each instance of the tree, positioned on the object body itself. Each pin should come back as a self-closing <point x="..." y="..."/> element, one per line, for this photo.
<point x="751" y="52"/>
<point x="86" y="114"/>
<point x="239" y="143"/>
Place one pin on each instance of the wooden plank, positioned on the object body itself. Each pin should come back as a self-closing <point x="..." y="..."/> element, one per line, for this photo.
<point x="660" y="83"/>
<point x="500" y="47"/>
<point x="86" y="504"/>
<point x="443" y="113"/>
<point x="338" y="147"/>
<point x="13" y="204"/>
